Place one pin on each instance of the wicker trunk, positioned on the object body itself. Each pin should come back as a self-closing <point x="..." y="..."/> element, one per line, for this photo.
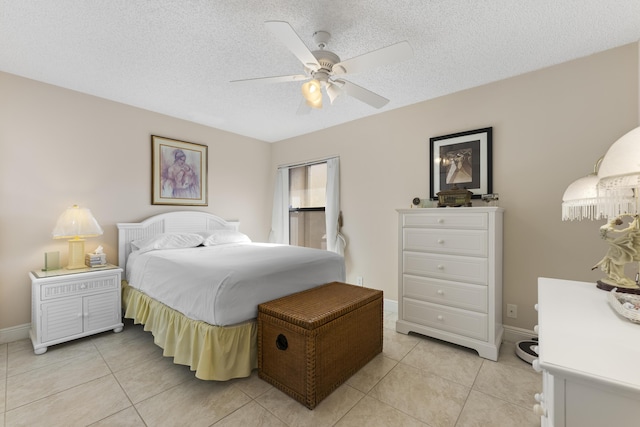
<point x="311" y="342"/>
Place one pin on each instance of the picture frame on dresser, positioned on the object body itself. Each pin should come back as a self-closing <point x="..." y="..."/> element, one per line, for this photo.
<point x="178" y="173"/>
<point x="462" y="159"/>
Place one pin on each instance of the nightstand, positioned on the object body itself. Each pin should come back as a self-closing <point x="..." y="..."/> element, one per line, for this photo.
<point x="70" y="304"/>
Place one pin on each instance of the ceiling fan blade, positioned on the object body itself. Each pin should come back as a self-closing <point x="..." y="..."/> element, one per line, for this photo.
<point x="386" y="55"/>
<point x="275" y="79"/>
<point x="286" y="34"/>
<point x="363" y="94"/>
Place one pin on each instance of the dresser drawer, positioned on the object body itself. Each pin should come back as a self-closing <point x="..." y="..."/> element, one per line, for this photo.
<point x="460" y="295"/>
<point x="447" y="267"/>
<point x="462" y="322"/>
<point x="75" y="286"/>
<point x="448" y="218"/>
<point x="455" y="242"/>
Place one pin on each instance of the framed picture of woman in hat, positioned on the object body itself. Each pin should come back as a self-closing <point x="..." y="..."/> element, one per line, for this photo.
<point x="179" y="172"/>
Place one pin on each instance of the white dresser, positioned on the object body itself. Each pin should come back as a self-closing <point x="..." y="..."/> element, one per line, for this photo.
<point x="450" y="276"/>
<point x="589" y="357"/>
<point x="70" y="304"/>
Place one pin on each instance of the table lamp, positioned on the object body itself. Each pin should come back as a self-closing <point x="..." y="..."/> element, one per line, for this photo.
<point x="618" y="187"/>
<point x="611" y="193"/>
<point x="75" y="224"/>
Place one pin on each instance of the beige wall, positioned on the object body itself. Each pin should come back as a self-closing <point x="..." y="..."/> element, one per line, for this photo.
<point x="61" y="147"/>
<point x="550" y="127"/>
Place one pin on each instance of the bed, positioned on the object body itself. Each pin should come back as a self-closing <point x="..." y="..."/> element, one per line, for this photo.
<point x="195" y="281"/>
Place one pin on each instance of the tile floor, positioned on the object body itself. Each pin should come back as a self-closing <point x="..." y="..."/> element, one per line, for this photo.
<point x="123" y="380"/>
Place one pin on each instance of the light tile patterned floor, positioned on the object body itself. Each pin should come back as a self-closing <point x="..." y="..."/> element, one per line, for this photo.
<point x="123" y="380"/>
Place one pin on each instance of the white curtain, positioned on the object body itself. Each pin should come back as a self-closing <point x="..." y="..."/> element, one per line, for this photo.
<point x="335" y="240"/>
<point x="280" y="214"/>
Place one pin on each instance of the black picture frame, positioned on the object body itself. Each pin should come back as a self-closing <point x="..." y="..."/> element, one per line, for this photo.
<point x="463" y="159"/>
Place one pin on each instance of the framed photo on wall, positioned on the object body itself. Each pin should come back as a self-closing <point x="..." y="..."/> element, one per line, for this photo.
<point x="461" y="159"/>
<point x="178" y="172"/>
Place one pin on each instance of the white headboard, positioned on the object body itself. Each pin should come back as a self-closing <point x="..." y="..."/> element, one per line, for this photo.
<point x="172" y="222"/>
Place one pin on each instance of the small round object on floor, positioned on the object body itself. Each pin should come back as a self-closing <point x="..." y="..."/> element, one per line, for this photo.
<point x="524" y="350"/>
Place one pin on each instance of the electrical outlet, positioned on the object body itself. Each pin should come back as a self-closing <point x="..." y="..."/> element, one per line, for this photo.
<point x="512" y="311"/>
<point x="359" y="281"/>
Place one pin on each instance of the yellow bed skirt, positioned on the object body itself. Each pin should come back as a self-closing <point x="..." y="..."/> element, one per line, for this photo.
<point x="214" y="352"/>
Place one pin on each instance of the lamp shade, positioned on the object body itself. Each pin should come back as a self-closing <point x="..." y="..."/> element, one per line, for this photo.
<point x="580" y="199"/>
<point x="76" y="222"/>
<point x="619" y="176"/>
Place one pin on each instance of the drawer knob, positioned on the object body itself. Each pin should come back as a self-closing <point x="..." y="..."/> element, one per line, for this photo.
<point x="441" y="241"/>
<point x="440" y="317"/>
<point x="539" y="410"/>
<point x="535" y="329"/>
<point x="440" y="292"/>
<point x="440" y="220"/>
<point x="440" y="267"/>
<point x="539" y="397"/>
<point x="536" y="307"/>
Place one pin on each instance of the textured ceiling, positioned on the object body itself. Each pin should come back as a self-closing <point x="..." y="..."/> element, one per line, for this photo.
<point x="177" y="57"/>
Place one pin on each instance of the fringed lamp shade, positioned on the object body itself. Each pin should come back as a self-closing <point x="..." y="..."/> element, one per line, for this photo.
<point x="74" y="224"/>
<point x="580" y="199"/>
<point x="619" y="176"/>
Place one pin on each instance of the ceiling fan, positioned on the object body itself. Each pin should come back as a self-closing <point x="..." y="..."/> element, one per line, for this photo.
<point x="324" y="70"/>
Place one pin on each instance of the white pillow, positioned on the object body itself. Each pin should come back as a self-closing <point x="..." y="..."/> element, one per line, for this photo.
<point x="167" y="241"/>
<point x="220" y="237"/>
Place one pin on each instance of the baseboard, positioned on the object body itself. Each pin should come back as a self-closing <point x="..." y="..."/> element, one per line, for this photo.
<point x="513" y="334"/>
<point x="390" y="305"/>
<point x="15" y="333"/>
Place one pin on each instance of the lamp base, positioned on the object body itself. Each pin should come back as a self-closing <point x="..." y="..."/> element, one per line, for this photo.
<point x="76" y="254"/>
<point x="601" y="284"/>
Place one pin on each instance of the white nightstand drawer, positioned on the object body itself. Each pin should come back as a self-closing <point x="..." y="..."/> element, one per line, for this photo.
<point x="75" y="286"/>
<point x="455" y="242"/>
<point x="448" y="218"/>
<point x="447" y="267"/>
<point x="461" y="322"/>
<point x="461" y="295"/>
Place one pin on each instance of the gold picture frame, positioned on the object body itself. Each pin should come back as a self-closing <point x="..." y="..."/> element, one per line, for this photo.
<point x="178" y="172"/>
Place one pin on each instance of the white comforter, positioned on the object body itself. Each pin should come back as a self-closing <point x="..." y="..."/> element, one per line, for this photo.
<point x="223" y="285"/>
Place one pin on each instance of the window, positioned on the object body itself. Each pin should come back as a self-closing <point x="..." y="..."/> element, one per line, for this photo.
<point x="306" y="206"/>
<point x="307" y="203"/>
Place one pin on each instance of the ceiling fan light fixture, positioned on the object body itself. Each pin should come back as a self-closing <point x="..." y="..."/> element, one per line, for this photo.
<point x="333" y="91"/>
<point x="322" y="66"/>
<point x="315" y="104"/>
<point x="312" y="93"/>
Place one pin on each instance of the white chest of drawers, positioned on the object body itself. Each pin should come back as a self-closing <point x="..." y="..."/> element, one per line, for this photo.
<point x="70" y="304"/>
<point x="450" y="276"/>
<point x="589" y="358"/>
